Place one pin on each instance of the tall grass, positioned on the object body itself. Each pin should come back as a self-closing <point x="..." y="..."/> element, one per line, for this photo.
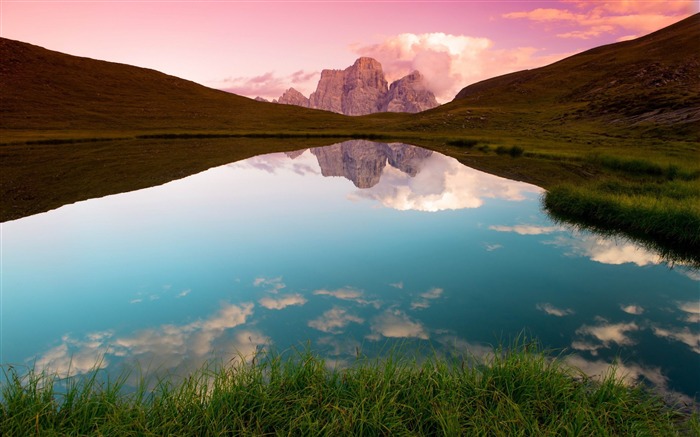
<point x="637" y="167"/>
<point x="519" y="391"/>
<point x="665" y="215"/>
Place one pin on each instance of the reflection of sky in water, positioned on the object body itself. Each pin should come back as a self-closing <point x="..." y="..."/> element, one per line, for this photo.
<point x="268" y="252"/>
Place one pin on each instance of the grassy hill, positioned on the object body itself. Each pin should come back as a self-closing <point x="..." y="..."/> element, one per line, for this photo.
<point x="650" y="85"/>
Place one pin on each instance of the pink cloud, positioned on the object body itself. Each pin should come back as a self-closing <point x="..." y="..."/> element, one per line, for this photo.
<point x="591" y="19"/>
<point x="450" y="62"/>
<point x="269" y="85"/>
<point x="544" y="14"/>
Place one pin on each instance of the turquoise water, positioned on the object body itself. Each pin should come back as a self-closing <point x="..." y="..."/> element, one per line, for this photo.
<point x="349" y="247"/>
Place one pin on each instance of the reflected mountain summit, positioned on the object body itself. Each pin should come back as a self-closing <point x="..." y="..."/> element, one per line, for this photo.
<point x="363" y="162"/>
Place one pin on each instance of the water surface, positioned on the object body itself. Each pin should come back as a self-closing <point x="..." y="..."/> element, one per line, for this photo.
<point x="350" y="247"/>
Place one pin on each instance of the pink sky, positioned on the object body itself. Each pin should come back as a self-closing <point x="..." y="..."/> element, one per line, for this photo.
<point x="261" y="48"/>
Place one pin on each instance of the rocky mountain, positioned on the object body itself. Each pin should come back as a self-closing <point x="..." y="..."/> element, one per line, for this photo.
<point x="329" y="91"/>
<point x="363" y="162"/>
<point x="408" y="94"/>
<point x="293" y="97"/>
<point x="362" y="89"/>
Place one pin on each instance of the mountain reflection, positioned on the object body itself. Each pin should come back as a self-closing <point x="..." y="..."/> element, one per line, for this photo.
<point x="363" y="161"/>
<point x="400" y="176"/>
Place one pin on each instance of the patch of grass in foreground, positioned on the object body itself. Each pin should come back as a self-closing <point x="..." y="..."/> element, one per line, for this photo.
<point x="515" y="392"/>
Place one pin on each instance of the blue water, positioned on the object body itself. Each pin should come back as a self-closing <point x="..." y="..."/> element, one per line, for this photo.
<point x="394" y="243"/>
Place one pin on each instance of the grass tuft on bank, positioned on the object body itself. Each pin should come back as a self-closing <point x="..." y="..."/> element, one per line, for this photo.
<point x="519" y="391"/>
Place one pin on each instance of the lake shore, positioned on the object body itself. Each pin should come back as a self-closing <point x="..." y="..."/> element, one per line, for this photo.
<point x="514" y="391"/>
<point x="617" y="186"/>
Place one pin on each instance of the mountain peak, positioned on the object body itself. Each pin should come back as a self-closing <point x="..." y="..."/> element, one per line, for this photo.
<point x="293" y="97"/>
<point x="362" y="89"/>
<point x="365" y="62"/>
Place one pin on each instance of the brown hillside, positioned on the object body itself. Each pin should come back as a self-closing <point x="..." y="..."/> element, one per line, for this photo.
<point x="46" y="90"/>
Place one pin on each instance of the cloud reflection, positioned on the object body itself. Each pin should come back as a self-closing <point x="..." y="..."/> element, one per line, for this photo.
<point x="527" y="229"/>
<point x="282" y="302"/>
<point x="164" y="347"/>
<point x="692" y="310"/>
<point x="629" y="373"/>
<point x="350" y="294"/>
<point x="334" y="321"/>
<point x="554" y="311"/>
<point x="611" y="250"/>
<point x="632" y="309"/>
<point x="607" y="333"/>
<point x="442" y="183"/>
<point x="271" y="285"/>
<point x="426" y="298"/>
<point x="396" y="324"/>
<point x="683" y="335"/>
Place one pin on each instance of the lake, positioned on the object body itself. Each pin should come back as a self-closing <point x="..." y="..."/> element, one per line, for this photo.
<point x="350" y="248"/>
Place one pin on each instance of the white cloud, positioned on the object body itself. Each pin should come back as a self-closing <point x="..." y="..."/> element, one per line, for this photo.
<point x="581" y="345"/>
<point x="554" y="311"/>
<point x="183" y="293"/>
<point x="450" y="62"/>
<point x="684" y="335"/>
<point x="424" y="302"/>
<point x="629" y="373"/>
<point x="164" y="347"/>
<point x="270" y="85"/>
<point x="396" y="324"/>
<point x="74" y="357"/>
<point x="608" y="333"/>
<point x="398" y="285"/>
<point x="527" y="229"/>
<point x="433" y="293"/>
<point x="271" y="285"/>
<point x="632" y="309"/>
<point x="442" y="183"/>
<point x="591" y="19"/>
<point x="692" y="310"/>
<point x="611" y="250"/>
<point x="349" y="294"/>
<point x="334" y="321"/>
<point x="282" y="302"/>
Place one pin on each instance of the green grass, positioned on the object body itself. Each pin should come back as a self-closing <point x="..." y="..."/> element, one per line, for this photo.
<point x="518" y="391"/>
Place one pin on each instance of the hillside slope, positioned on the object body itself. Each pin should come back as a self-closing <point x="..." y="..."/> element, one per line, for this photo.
<point x="45" y="90"/>
<point x="644" y="88"/>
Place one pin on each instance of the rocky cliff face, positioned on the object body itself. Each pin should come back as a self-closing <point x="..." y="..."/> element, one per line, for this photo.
<point x="329" y="91"/>
<point x="293" y="97"/>
<point x="409" y="94"/>
<point x="362" y="89"/>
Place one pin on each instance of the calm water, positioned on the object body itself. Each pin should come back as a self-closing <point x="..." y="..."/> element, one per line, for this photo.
<point x="350" y="246"/>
